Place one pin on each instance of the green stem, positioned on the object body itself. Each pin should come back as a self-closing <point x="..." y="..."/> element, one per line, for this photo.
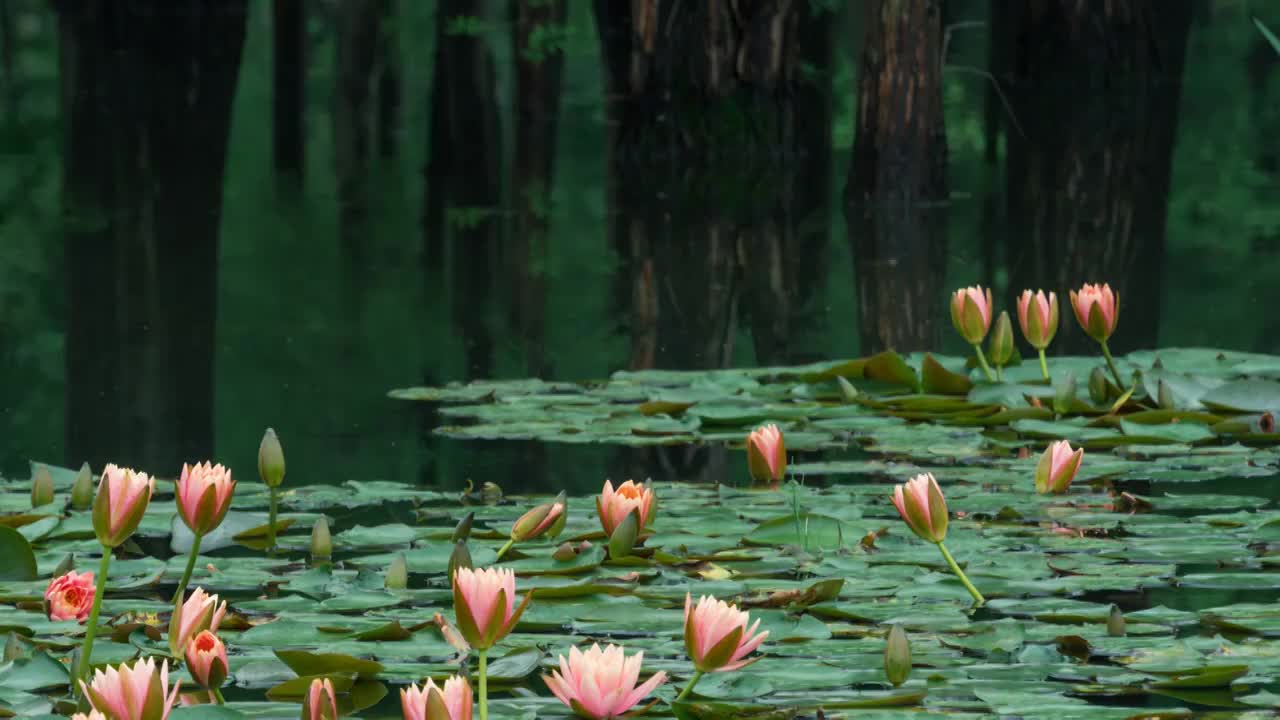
<point x="271" y="522"/>
<point x="977" y="596"/>
<point x="1000" y="373"/>
<point x="697" y="675"/>
<point x="91" y="629"/>
<point x="186" y="574"/>
<point x="1044" y="366"/>
<point x="503" y="550"/>
<point x="982" y="360"/>
<point x="484" y="685"/>
<point x="1106" y="353"/>
<point x="217" y="696"/>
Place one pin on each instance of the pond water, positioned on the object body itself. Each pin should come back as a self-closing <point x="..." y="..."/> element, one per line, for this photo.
<point x="352" y="320"/>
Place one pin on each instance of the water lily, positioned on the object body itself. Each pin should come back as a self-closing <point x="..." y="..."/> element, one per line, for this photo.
<point x="122" y="499"/>
<point x="717" y="637"/>
<point x="70" y="596"/>
<point x="91" y="715"/>
<point x="1038" y="318"/>
<point x="766" y="454"/>
<point x="207" y="660"/>
<point x="271" y="471"/>
<point x="132" y="692"/>
<point x="600" y="683"/>
<point x="1097" y="310"/>
<point x="545" y="519"/>
<point x="971" y="310"/>
<point x="203" y="494"/>
<point x="1001" y="346"/>
<point x="1057" y="468"/>
<point x="430" y="702"/>
<point x="613" y="505"/>
<point x="41" y="487"/>
<point x="484" y="602"/>
<point x="320" y="703"/>
<point x="922" y="506"/>
<point x="200" y="612"/>
<point x="897" y="656"/>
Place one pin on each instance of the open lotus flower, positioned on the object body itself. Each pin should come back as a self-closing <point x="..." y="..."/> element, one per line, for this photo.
<point x="430" y="702"/>
<point x="207" y="660"/>
<point x="70" y="596"/>
<point x="121" y="501"/>
<point x="547" y="518"/>
<point x="922" y="506"/>
<point x="1038" y="317"/>
<point x="484" y="601"/>
<point x="971" y="313"/>
<point x="320" y="702"/>
<point x="766" y="454"/>
<point x="1057" y="468"/>
<point x="204" y="496"/>
<point x="614" y="505"/>
<point x="93" y="715"/>
<point x="716" y="634"/>
<point x="137" y="692"/>
<point x="200" y="612"/>
<point x="600" y="684"/>
<point x="1097" y="310"/>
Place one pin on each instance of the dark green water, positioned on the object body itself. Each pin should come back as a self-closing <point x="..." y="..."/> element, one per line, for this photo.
<point x="313" y="323"/>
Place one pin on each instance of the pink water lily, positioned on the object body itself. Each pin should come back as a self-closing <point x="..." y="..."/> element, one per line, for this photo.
<point x="1097" y="310"/>
<point x="600" y="684"/>
<point x="766" y="454"/>
<point x="485" y="604"/>
<point x="1038" y="317"/>
<point x="92" y="715"/>
<point x="321" y="703"/>
<point x="122" y="500"/>
<point x="1057" y="467"/>
<point x="547" y="518"/>
<point x="922" y="506"/>
<point x="430" y="702"/>
<point x="716" y="635"/>
<point x="70" y="596"/>
<point x="204" y="496"/>
<point x="971" y="309"/>
<point x="613" y="506"/>
<point x="207" y="660"/>
<point x="200" y="612"/>
<point x="137" y="692"/>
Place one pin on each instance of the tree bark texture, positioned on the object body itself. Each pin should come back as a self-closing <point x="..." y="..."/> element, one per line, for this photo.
<point x="289" y="101"/>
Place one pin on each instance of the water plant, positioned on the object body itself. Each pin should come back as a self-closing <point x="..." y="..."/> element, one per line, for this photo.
<point x="924" y="509"/>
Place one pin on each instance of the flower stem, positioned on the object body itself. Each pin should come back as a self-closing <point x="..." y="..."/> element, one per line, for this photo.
<point x="271" y="521"/>
<point x="977" y="596"/>
<point x="1000" y="373"/>
<point x="91" y="629"/>
<point x="697" y="675"/>
<point x="484" y="685"/>
<point x="1044" y="367"/>
<point x="186" y="574"/>
<point x="217" y="696"/>
<point x="982" y="360"/>
<point x="503" y="550"/>
<point x="1106" y="353"/>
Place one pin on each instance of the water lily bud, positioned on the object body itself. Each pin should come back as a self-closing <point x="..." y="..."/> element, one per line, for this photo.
<point x="1038" y="317"/>
<point x="41" y="487"/>
<point x="12" y="648"/>
<point x="547" y="518"/>
<point x="1097" y="310"/>
<point x="922" y="506"/>
<point x="897" y="656"/>
<point x="397" y="577"/>
<point x="321" y="540"/>
<point x="766" y="454"/>
<point x="624" y="535"/>
<point x="462" y="532"/>
<point x="1115" y="622"/>
<point x="971" y="313"/>
<point x="1057" y="467"/>
<point x="82" y="489"/>
<point x="1165" y="397"/>
<point x="1000" y="347"/>
<point x="1099" y="389"/>
<point x="271" y="459"/>
<point x="459" y="558"/>
<point x="847" y="390"/>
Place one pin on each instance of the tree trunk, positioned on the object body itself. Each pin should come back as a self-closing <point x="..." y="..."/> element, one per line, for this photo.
<point x="289" y="71"/>
<point x="359" y="24"/>
<point x="1089" y="184"/>
<point x="9" y="62"/>
<point x="147" y="89"/>
<point x="389" y="83"/>
<point x="896" y="193"/>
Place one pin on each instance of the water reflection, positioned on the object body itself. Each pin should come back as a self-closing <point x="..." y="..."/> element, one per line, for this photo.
<point x="494" y="203"/>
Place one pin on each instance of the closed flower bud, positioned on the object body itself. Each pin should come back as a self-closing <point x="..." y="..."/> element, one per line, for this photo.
<point x="462" y="532"/>
<point x="1001" y="346"/>
<point x="1099" y="388"/>
<point x="971" y="313"/>
<point x="41" y="487"/>
<point x="920" y="503"/>
<point x="1038" y="317"/>
<point x="321" y="541"/>
<point x="766" y="454"/>
<point x="1115" y="622"/>
<point x="120" y="503"/>
<point x="12" y="648"/>
<point x="459" y="558"/>
<point x="397" y="577"/>
<point x="82" y="489"/>
<point x="271" y="459"/>
<point x="545" y="519"/>
<point x="1097" y="310"/>
<point x="1164" y="395"/>
<point x="1057" y="468"/>
<point x="897" y="656"/>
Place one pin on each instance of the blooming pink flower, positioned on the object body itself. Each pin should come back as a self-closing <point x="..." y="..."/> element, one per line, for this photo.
<point x="1038" y="317"/>
<point x="1057" y="468"/>
<point x="484" y="601"/>
<point x="207" y="660"/>
<point x="432" y="703"/>
<point x="122" y="499"/>
<point x="200" y="612"/>
<point x="600" y="684"/>
<point x="766" y="454"/>
<point x="320" y="703"/>
<point x="922" y="506"/>
<point x="204" y="496"/>
<point x="971" y="313"/>
<point x="136" y="692"/>
<point x="70" y="596"/>
<point x="93" y="715"/>
<point x="716" y="635"/>
<point x="613" y="506"/>
<point x="1097" y="310"/>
